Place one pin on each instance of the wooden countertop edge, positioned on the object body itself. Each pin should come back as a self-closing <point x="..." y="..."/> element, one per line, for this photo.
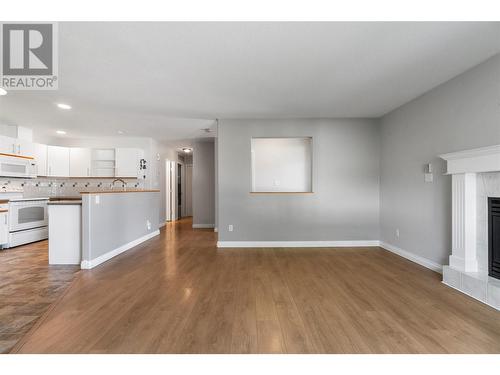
<point x="281" y="192"/>
<point x="55" y="199"/>
<point x="17" y="156"/>
<point x="65" y="203"/>
<point x="119" y="191"/>
<point x="88" y="177"/>
<point x="4" y="210"/>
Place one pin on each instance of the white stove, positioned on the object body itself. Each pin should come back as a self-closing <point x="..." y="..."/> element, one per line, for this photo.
<point x="27" y="218"/>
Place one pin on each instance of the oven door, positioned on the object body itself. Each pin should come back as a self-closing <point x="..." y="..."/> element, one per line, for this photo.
<point x="27" y="215"/>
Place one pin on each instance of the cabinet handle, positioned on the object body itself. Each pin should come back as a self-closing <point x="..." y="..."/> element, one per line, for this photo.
<point x="13" y="148"/>
<point x="18" y="149"/>
<point x="88" y="171"/>
<point x="50" y="170"/>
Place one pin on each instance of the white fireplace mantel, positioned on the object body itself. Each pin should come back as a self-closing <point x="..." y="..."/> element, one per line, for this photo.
<point x="478" y="160"/>
<point x="463" y="272"/>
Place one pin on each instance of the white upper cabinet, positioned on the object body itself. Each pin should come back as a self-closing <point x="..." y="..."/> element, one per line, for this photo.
<point x="24" y="148"/>
<point x="127" y="162"/>
<point x="58" y="161"/>
<point x="7" y="145"/>
<point x="79" y="161"/>
<point x="40" y="155"/>
<point x="13" y="146"/>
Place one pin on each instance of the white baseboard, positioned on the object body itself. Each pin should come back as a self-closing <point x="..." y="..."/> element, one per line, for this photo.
<point x="298" y="243"/>
<point x="200" y="226"/>
<point x="88" y="264"/>
<point x="162" y="224"/>
<point x="414" y="258"/>
<point x="216" y="229"/>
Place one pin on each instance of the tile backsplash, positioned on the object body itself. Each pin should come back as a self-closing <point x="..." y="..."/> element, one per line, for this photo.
<point x="50" y="187"/>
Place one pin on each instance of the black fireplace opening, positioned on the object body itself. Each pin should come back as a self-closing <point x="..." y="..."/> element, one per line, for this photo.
<point x="494" y="237"/>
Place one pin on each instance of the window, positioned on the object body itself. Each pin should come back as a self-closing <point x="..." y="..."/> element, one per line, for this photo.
<point x="282" y="165"/>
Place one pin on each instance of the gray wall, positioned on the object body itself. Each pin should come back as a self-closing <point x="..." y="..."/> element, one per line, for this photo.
<point x="462" y="113"/>
<point x="117" y="220"/>
<point x="345" y="203"/>
<point x="204" y="183"/>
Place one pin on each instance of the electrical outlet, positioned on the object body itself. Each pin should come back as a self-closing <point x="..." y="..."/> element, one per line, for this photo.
<point x="397" y="233"/>
<point x="148" y="224"/>
<point x="230" y="227"/>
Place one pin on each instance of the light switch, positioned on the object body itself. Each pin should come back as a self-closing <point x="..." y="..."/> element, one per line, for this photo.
<point x="97" y="199"/>
<point x="428" y="177"/>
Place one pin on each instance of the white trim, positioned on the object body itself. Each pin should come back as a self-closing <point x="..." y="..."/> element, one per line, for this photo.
<point x="488" y="150"/>
<point x="372" y="243"/>
<point x="484" y="159"/>
<point x="216" y="229"/>
<point x="199" y="226"/>
<point x="414" y="258"/>
<point x="162" y="224"/>
<point x="88" y="264"/>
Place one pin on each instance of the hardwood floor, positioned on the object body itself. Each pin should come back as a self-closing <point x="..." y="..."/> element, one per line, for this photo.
<point x="28" y="286"/>
<point x="177" y="293"/>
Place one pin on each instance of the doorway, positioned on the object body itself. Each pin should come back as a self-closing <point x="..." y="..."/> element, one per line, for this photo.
<point x="188" y="188"/>
<point x="178" y="190"/>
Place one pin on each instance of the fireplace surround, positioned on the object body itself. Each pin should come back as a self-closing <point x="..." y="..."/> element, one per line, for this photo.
<point x="468" y="269"/>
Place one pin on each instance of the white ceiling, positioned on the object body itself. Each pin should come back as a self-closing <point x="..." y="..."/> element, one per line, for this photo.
<point x="170" y="80"/>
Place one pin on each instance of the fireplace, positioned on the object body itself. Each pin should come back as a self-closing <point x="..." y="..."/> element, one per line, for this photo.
<point x="494" y="237"/>
<point x="474" y="266"/>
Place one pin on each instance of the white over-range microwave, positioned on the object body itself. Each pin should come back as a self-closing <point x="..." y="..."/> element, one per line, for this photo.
<point x="17" y="166"/>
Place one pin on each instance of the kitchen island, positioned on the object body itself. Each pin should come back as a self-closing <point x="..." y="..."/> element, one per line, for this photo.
<point x="112" y="221"/>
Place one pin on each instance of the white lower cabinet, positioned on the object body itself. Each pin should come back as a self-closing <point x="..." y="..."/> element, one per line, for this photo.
<point x="79" y="161"/>
<point x="4" y="227"/>
<point x="65" y="245"/>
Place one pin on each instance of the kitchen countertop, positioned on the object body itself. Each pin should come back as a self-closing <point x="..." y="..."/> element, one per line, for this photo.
<point x="63" y="202"/>
<point x="119" y="191"/>
<point x="64" y="198"/>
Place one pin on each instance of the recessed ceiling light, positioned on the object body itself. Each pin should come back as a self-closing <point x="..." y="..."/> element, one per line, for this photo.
<point x="64" y="106"/>
<point x="3" y="91"/>
<point x="120" y="132"/>
<point x="187" y="150"/>
<point x="62" y="132"/>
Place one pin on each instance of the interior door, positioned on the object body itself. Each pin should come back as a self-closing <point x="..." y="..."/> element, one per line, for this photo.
<point x="170" y="190"/>
<point x="189" y="190"/>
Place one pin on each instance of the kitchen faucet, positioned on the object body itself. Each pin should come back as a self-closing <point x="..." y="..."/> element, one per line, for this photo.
<point x="116" y="180"/>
